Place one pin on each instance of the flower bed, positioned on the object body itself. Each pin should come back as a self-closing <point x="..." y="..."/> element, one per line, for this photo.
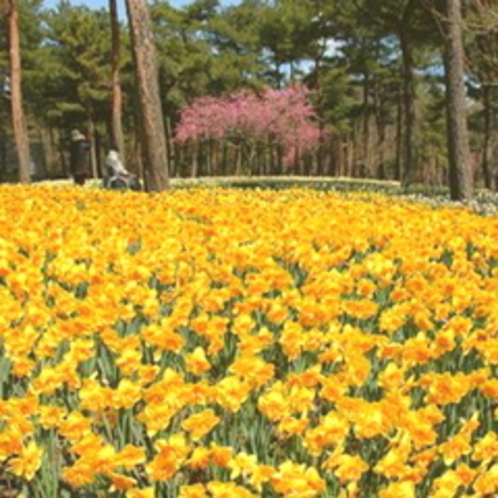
<point x="221" y="343"/>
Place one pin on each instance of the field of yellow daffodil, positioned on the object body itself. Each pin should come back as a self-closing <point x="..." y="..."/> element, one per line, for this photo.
<point x="226" y="343"/>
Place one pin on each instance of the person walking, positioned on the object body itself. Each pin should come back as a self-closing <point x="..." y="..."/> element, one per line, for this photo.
<point x="80" y="159"/>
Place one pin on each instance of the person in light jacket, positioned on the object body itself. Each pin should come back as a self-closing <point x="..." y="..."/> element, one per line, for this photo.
<point x="118" y="177"/>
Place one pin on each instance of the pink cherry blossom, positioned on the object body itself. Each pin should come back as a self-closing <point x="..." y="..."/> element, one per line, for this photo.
<point x="285" y="117"/>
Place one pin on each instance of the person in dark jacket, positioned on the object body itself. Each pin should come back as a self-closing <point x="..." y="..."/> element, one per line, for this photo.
<point x="80" y="157"/>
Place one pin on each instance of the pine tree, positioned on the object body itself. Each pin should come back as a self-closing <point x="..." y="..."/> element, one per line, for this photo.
<point x="458" y="139"/>
<point x="17" y="110"/>
<point x="154" y="149"/>
<point x="117" y="139"/>
<point x="481" y="47"/>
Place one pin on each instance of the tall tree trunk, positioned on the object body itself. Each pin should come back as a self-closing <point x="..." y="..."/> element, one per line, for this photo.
<point x="487" y="153"/>
<point x="194" y="171"/>
<point x="93" y="146"/>
<point x="365" y="132"/>
<point x="317" y="164"/>
<point x="349" y="169"/>
<point x="58" y="144"/>
<point x="3" y="155"/>
<point x="460" y="170"/>
<point x="410" y="144"/>
<point x="209" y="158"/>
<point x="173" y="170"/>
<point x="154" y="150"/>
<point x="49" y="152"/>
<point x="18" y="119"/>
<point x="224" y="158"/>
<point x="410" y="135"/>
<point x="398" y="169"/>
<point x="358" y="151"/>
<point x="238" y="158"/>
<point x="380" y="169"/>
<point x="117" y="139"/>
<point x="138" y="156"/>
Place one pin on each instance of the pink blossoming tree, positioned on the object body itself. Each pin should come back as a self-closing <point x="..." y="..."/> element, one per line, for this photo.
<point x="276" y="121"/>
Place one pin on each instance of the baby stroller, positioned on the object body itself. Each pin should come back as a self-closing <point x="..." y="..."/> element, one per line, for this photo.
<point x="117" y="177"/>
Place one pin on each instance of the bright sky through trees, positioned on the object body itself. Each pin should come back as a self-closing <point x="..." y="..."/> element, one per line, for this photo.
<point x="98" y="4"/>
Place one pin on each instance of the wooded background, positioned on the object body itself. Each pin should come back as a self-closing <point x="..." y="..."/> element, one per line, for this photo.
<point x="379" y="74"/>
